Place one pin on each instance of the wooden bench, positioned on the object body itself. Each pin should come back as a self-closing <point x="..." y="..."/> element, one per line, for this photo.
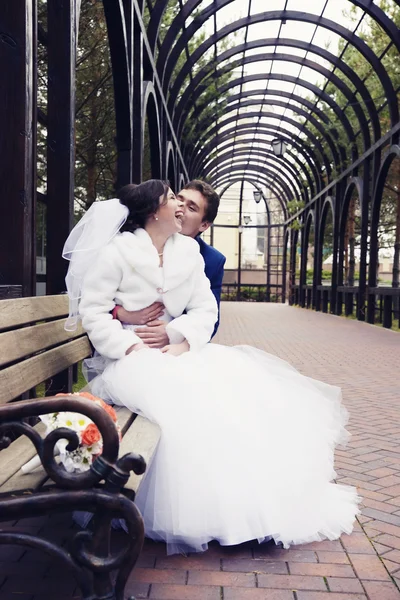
<point x="35" y="348"/>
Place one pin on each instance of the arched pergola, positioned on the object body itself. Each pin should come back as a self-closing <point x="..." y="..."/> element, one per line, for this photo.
<point x="212" y="109"/>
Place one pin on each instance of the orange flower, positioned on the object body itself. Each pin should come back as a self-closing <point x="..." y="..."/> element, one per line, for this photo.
<point x="87" y="395"/>
<point x="90" y="435"/>
<point x="109" y="409"/>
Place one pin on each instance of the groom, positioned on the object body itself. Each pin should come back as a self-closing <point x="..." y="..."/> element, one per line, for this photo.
<point x="200" y="208"/>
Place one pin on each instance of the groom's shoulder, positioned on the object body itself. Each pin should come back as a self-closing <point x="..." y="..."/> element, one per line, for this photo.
<point x="209" y="252"/>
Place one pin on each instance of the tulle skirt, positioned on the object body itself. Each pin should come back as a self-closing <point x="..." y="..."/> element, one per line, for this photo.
<point x="246" y="450"/>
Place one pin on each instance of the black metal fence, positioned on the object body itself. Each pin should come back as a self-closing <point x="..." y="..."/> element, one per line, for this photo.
<point x="381" y="305"/>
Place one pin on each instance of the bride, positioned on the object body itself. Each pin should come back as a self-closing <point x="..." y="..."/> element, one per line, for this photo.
<point x="247" y="444"/>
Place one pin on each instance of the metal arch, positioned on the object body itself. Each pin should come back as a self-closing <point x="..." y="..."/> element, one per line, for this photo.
<point x="140" y="4"/>
<point x="265" y="92"/>
<point x="181" y="181"/>
<point x="234" y="154"/>
<point x="305" y="242"/>
<point x="289" y="172"/>
<point x="295" y="157"/>
<point x="256" y="183"/>
<point x="275" y="77"/>
<point x="306" y="149"/>
<point x="170" y="159"/>
<point x="121" y="71"/>
<point x="310" y="218"/>
<point x="155" y="22"/>
<point x="263" y="152"/>
<point x="390" y="156"/>
<point x="276" y="180"/>
<point x="319" y="69"/>
<point x="329" y="202"/>
<point x="353" y="183"/>
<point x="243" y="167"/>
<point x="327" y="205"/>
<point x="178" y="24"/>
<point x="270" y="115"/>
<point x="324" y="132"/>
<point x="260" y="178"/>
<point x="378" y="15"/>
<point x="309" y="179"/>
<point x="392" y="153"/>
<point x="269" y="129"/>
<point x="278" y="184"/>
<point x="149" y="103"/>
<point x="328" y="56"/>
<point x="294" y="241"/>
<point x="167" y="63"/>
<point x="267" y="208"/>
<point x="250" y="180"/>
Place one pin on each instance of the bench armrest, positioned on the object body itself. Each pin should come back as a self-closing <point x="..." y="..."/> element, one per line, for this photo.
<point x="115" y="472"/>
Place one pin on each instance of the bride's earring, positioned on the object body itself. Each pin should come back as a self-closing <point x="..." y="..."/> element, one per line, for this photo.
<point x="156" y="218"/>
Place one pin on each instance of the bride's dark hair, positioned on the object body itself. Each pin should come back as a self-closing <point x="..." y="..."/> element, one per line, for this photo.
<point x="142" y="201"/>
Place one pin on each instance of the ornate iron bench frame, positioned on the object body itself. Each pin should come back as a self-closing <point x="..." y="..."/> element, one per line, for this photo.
<point x="107" y="489"/>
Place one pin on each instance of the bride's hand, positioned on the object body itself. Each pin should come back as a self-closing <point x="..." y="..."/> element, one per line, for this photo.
<point x="136" y="348"/>
<point x="176" y="349"/>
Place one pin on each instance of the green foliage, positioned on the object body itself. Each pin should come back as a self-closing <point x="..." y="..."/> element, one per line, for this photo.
<point x="209" y="106"/>
<point x="95" y="171"/>
<point x="95" y="166"/>
<point x="379" y="42"/>
<point x="293" y="207"/>
<point x="325" y="276"/>
<point x="248" y="293"/>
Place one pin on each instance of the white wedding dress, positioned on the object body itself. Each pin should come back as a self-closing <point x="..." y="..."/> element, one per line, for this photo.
<point x="246" y="450"/>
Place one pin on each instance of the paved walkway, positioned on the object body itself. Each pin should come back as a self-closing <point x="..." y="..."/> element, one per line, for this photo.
<point x="365" y="361"/>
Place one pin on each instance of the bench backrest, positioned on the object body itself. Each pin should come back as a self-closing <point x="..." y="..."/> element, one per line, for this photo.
<point x="34" y="345"/>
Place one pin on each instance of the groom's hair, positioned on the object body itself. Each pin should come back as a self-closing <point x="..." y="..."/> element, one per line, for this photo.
<point x="209" y="194"/>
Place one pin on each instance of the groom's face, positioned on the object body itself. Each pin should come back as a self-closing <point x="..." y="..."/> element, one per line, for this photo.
<point x="194" y="210"/>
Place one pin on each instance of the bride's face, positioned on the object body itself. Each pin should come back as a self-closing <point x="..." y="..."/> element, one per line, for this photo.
<point x="169" y="215"/>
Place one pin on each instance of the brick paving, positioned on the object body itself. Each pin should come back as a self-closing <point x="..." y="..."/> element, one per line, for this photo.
<point x="362" y="359"/>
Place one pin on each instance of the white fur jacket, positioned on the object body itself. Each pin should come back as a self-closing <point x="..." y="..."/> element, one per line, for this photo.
<point x="127" y="273"/>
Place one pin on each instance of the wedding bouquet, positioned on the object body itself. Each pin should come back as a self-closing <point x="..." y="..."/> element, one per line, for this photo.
<point x="90" y="441"/>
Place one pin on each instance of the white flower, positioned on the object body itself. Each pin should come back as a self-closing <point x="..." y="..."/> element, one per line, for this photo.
<point x="80" y="459"/>
<point x="74" y="421"/>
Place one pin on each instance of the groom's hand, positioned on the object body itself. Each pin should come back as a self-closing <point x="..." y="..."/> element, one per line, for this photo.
<point x="154" y="335"/>
<point x="140" y="317"/>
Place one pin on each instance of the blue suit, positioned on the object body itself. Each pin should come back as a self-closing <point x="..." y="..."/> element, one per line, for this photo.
<point x="214" y="269"/>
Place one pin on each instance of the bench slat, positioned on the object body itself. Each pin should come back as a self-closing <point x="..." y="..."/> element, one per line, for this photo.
<point x="16" y="455"/>
<point x="27" y="374"/>
<point x="28" y="340"/>
<point x="20" y="311"/>
<point x="142" y="437"/>
<point x="13" y="479"/>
